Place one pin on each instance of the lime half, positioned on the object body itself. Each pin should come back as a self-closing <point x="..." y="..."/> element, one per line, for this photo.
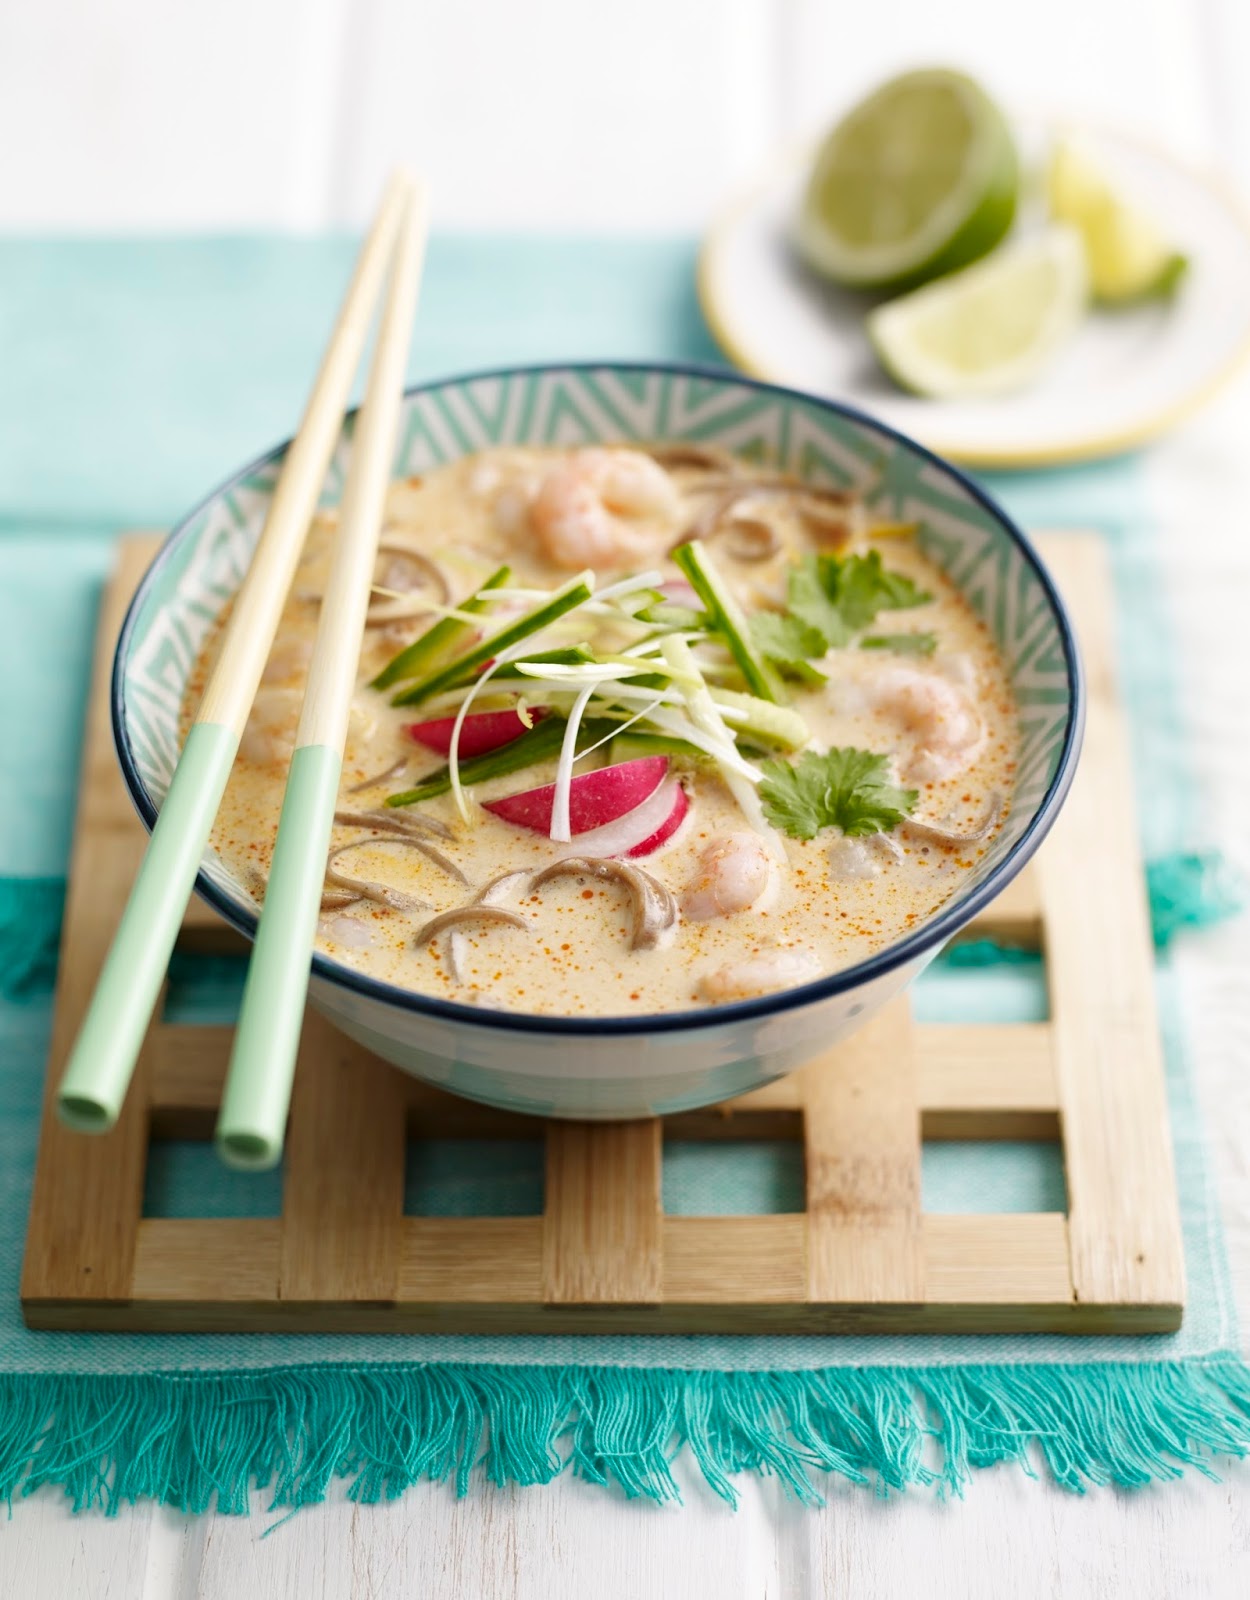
<point x="918" y="180"/>
<point x="1129" y="258"/>
<point x="990" y="328"/>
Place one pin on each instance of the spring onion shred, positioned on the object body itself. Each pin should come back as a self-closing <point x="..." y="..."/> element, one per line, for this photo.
<point x="621" y="689"/>
<point x="641" y="580"/>
<point x="425" y="608"/>
<point x="523" y="647"/>
<point x="653" y="644"/>
<point x="592" y="608"/>
<point x="511" y="592"/>
<point x="453" y="750"/>
<point x="662" y="711"/>
<point x="727" y="756"/>
<point x="589" y="672"/>
<point x="617" y="731"/>
<point x="561" y="829"/>
<point x="685" y="709"/>
<point x="708" y="720"/>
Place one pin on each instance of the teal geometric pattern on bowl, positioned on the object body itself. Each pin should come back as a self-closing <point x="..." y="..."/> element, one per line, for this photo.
<point x="591" y="405"/>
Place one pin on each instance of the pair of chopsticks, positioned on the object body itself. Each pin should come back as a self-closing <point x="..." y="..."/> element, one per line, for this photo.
<point x="252" y="1121"/>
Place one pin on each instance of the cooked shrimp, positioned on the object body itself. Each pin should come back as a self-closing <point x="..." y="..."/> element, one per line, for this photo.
<point x="350" y="932"/>
<point x="960" y="668"/>
<point x="604" y="509"/>
<point x="288" y="659"/>
<point x="484" y="478"/>
<point x="862" y="857"/>
<point x="269" y="734"/>
<point x="947" y="728"/>
<point x="734" y="871"/>
<point x="759" y="973"/>
<point x="270" y="731"/>
<point x="512" y="508"/>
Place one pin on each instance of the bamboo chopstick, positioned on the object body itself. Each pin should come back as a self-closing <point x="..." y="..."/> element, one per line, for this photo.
<point x="252" y="1122"/>
<point x="96" y="1078"/>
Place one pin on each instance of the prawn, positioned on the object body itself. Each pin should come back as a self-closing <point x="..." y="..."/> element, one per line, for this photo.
<point x="604" y="509"/>
<point x="288" y="659"/>
<point x="759" y="973"/>
<point x="734" y="871"/>
<point x="269" y="734"/>
<point x="947" y="728"/>
<point x="270" y="730"/>
<point x="348" y="931"/>
<point x="868" y="857"/>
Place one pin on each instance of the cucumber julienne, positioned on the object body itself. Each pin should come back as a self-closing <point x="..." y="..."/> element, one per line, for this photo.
<point x="652" y="696"/>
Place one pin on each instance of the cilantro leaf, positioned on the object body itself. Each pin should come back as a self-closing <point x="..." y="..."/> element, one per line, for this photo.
<point x="861" y="586"/>
<point x="811" y="600"/>
<point x="902" y="644"/>
<point x="835" y="598"/>
<point x="845" y="788"/>
<point x="829" y="602"/>
<point x="788" y="643"/>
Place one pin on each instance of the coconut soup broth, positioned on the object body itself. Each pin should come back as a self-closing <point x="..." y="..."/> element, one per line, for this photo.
<point x="732" y="905"/>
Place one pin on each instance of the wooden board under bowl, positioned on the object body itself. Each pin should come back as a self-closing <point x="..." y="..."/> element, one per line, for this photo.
<point x="862" y="1256"/>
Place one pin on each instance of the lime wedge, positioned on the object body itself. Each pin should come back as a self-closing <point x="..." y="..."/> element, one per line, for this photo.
<point x="918" y="180"/>
<point x="990" y="328"/>
<point x="1129" y="258"/>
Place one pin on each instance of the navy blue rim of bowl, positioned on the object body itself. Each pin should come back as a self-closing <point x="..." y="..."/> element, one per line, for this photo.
<point x="947" y="922"/>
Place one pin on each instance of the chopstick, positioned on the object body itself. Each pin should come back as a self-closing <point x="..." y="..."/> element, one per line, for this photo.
<point x="102" y="1061"/>
<point x="252" y="1122"/>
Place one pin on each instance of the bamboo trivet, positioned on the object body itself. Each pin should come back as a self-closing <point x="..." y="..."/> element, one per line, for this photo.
<point x="863" y="1256"/>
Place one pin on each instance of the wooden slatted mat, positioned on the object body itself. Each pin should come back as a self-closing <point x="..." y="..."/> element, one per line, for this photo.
<point x="863" y="1254"/>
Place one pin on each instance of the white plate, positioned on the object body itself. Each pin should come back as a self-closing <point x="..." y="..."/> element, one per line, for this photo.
<point x="1125" y="377"/>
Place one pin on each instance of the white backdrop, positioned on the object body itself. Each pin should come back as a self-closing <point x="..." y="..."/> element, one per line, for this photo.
<point x="152" y="115"/>
<point x="158" y="115"/>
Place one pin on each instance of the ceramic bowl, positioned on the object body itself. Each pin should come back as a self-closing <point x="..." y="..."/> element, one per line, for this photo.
<point x="606" y="1067"/>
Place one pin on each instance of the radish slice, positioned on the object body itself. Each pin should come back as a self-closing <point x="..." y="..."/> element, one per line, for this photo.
<point x="595" y="798"/>
<point x="482" y="732"/>
<point x="680" y="593"/>
<point x="640" y="832"/>
<point x="666" y="830"/>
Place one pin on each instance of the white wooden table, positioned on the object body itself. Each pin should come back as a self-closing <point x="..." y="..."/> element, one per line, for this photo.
<point x="264" y="122"/>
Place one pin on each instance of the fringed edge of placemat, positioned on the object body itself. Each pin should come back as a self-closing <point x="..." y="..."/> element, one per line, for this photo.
<point x="203" y="1440"/>
<point x="30" y="933"/>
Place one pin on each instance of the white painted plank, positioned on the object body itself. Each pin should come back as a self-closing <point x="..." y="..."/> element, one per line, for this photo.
<point x="143" y="115"/>
<point x="557" y="114"/>
<point x="1136" y="64"/>
<point x="1223" y="31"/>
<point x="567" y="1540"/>
<point x="1009" y="1539"/>
<point x="139" y="115"/>
<point x="47" y="1554"/>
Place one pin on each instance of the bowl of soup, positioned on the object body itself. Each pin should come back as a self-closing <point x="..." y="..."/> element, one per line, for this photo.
<point x="694" y="716"/>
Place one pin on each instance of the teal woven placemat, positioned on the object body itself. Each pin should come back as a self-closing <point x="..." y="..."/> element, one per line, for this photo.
<point x="177" y="361"/>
